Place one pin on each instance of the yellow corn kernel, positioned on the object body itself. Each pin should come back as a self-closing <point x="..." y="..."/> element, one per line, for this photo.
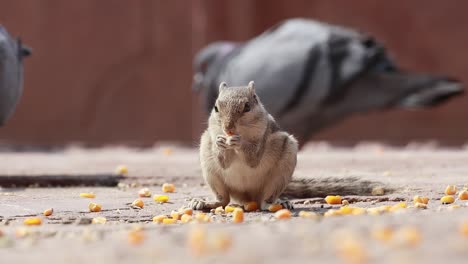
<point x="48" y="212"/>
<point x="175" y="215"/>
<point x="221" y="241"/>
<point x="251" y="206"/>
<point x="463" y="195"/>
<point x="344" y="203"/>
<point x="94" y="207"/>
<point x="238" y="215"/>
<point x="409" y="236"/>
<point x="308" y="215"/>
<point x="333" y="199"/>
<point x="219" y="210"/>
<point x="159" y="218"/>
<point x="275" y="207"/>
<point x="87" y="195"/>
<point x="145" y="192"/>
<point x="358" y="211"/>
<point x="331" y="212"/>
<point x="32" y="221"/>
<point x="121" y="170"/>
<point x="136" y="237"/>
<point x="464" y="228"/>
<point x="346" y="210"/>
<point x="168" y="188"/>
<point x="185" y="218"/>
<point x="454" y="206"/>
<point x="161" y="198"/>
<point x="283" y="214"/>
<point x="99" y="220"/>
<point x="352" y="250"/>
<point x="138" y="203"/>
<point x="197" y="241"/>
<point x="420" y="199"/>
<point x="447" y="199"/>
<point x="450" y="190"/>
<point x="374" y="211"/>
<point x="398" y="206"/>
<point x="169" y="221"/>
<point x="202" y="218"/>
<point x="187" y="211"/>
<point x="420" y="205"/>
<point x="384" y="234"/>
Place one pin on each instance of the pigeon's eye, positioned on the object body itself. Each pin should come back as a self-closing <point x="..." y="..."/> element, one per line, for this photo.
<point x="247" y="107"/>
<point x="216" y="109"/>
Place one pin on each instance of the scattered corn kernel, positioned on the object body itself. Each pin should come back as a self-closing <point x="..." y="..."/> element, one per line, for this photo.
<point x="275" y="207"/>
<point x="308" y="215"/>
<point x="333" y="199"/>
<point x="358" y="211"/>
<point x="202" y="218"/>
<point x="33" y="221"/>
<point x="145" y="192"/>
<point x="420" y="199"/>
<point x="331" y="212"/>
<point x="138" y="203"/>
<point x="136" y="237"/>
<point x="378" y="191"/>
<point x="229" y="208"/>
<point x="384" y="234"/>
<point x="352" y="250"/>
<point x="345" y="203"/>
<point x="238" y="215"/>
<point x="409" y="236"/>
<point x="169" y="221"/>
<point x="159" y="218"/>
<point x="168" y="188"/>
<point x="450" y="190"/>
<point x="197" y="241"/>
<point x="87" y="195"/>
<point x="447" y="199"/>
<point x="346" y="210"/>
<point x="463" y="195"/>
<point x="161" y="198"/>
<point x="121" y="170"/>
<point x="398" y="206"/>
<point x="48" y="212"/>
<point x="283" y="214"/>
<point x="464" y="228"/>
<point x="251" y="206"/>
<point x="221" y="241"/>
<point x="188" y="211"/>
<point x="94" y="207"/>
<point x="99" y="220"/>
<point x="185" y="218"/>
<point x="175" y="215"/>
<point x="420" y="205"/>
<point x="219" y="210"/>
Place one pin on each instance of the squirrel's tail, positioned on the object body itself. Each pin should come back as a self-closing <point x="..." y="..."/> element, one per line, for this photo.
<point x="300" y="188"/>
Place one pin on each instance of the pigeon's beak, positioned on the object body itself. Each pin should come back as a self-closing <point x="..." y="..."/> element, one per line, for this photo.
<point x="197" y="82"/>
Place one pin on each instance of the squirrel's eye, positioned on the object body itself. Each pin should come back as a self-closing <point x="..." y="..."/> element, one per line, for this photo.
<point x="216" y="109"/>
<point x="247" y="107"/>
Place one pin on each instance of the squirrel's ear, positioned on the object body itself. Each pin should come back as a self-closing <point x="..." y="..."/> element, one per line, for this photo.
<point x="251" y="86"/>
<point x="222" y="86"/>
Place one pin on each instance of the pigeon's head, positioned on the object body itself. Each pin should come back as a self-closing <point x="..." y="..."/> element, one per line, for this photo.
<point x="238" y="110"/>
<point x="204" y="61"/>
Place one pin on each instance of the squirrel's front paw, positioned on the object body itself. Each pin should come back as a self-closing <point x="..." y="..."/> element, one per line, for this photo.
<point x="197" y="204"/>
<point x="221" y="142"/>
<point x="234" y="141"/>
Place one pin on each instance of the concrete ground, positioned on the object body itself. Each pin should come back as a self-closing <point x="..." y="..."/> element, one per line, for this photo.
<point x="410" y="235"/>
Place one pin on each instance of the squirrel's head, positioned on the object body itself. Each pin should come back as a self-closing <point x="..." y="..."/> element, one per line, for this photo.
<point x="237" y="108"/>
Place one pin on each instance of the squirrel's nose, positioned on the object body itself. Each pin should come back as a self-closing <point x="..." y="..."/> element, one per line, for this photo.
<point x="229" y="132"/>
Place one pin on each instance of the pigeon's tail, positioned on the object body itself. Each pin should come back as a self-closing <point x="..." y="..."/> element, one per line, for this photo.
<point x="300" y="188"/>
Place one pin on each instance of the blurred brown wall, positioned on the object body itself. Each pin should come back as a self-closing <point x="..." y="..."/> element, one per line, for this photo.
<point x="118" y="71"/>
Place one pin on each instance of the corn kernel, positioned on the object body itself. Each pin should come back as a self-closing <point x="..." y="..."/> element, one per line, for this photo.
<point x="221" y="241"/>
<point x="161" y="198"/>
<point x="331" y="212"/>
<point x="202" y="218"/>
<point x="168" y="188"/>
<point x="384" y="234"/>
<point x="99" y="220"/>
<point x="48" y="212"/>
<point x="219" y="210"/>
<point x="283" y="214"/>
<point x="463" y="195"/>
<point x="169" y="221"/>
<point x="398" y="206"/>
<point x="464" y="228"/>
<point x="183" y="210"/>
<point x="238" y="215"/>
<point x="450" y="190"/>
<point x="185" y="218"/>
<point x="454" y="206"/>
<point x="121" y="170"/>
<point x="420" y="205"/>
<point x="344" y="203"/>
<point x="352" y="250"/>
<point x="145" y="192"/>
<point x="308" y="215"/>
<point x="197" y="241"/>
<point x="94" y="207"/>
<point x="251" y="206"/>
<point x="447" y="199"/>
<point x="159" y="218"/>
<point x="333" y="199"/>
<point x="87" y="195"/>
<point x="230" y="208"/>
<point x="175" y="215"/>
<point x="275" y="207"/>
<point x="358" y="211"/>
<point x="136" y="237"/>
<point x="409" y="236"/>
<point x="420" y="199"/>
<point x="33" y="221"/>
<point x="346" y="210"/>
<point x="138" y="203"/>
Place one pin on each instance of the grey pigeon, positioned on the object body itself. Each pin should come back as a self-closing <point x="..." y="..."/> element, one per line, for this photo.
<point x="11" y="73"/>
<point x="310" y="75"/>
